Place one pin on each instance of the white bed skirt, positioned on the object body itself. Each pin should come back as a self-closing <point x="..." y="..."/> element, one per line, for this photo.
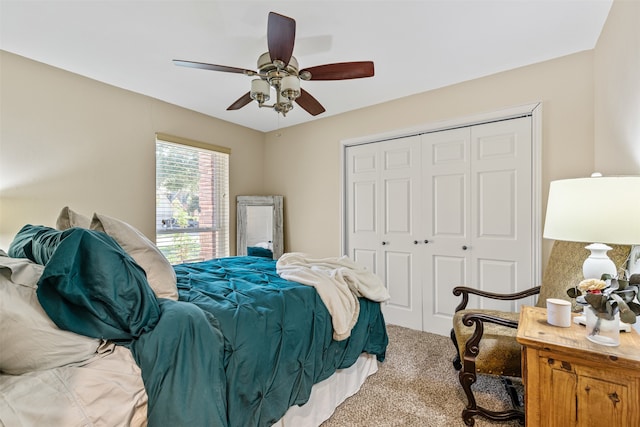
<point x="328" y="394"/>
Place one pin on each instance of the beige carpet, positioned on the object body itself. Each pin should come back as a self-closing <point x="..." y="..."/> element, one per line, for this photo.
<point x="416" y="386"/>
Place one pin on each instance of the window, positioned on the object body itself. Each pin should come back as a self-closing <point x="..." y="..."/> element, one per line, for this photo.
<point x="192" y="204"/>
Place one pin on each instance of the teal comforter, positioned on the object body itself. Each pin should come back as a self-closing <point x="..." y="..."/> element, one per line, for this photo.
<point x="240" y="346"/>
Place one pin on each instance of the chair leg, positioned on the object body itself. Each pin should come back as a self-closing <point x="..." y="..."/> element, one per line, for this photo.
<point x="512" y="392"/>
<point x="468" y="373"/>
<point x="457" y="364"/>
<point x="467" y="379"/>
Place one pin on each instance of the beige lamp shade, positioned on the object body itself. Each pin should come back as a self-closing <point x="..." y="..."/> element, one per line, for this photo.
<point x="598" y="209"/>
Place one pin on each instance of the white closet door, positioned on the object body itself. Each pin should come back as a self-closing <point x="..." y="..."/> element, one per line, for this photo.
<point x="502" y="202"/>
<point x="383" y="221"/>
<point x="446" y="202"/>
<point x="363" y="228"/>
<point x="468" y="192"/>
<point x="477" y="202"/>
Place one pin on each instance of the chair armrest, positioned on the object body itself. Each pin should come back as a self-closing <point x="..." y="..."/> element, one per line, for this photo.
<point x="465" y="291"/>
<point x="472" y="346"/>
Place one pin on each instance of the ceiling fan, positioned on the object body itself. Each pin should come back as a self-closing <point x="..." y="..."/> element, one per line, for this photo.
<point x="278" y="69"/>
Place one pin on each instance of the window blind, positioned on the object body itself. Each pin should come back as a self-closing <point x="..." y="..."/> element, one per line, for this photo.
<point x="192" y="203"/>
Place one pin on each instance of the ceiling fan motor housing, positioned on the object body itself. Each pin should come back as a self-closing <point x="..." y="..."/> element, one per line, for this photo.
<point x="266" y="65"/>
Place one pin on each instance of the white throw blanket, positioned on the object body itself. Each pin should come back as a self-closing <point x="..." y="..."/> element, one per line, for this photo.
<point x="339" y="282"/>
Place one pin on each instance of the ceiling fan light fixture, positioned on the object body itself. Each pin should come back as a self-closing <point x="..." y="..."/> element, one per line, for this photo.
<point x="279" y="69"/>
<point x="260" y="90"/>
<point x="290" y="87"/>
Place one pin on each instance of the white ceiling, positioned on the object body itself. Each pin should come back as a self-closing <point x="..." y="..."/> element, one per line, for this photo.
<point x="416" y="45"/>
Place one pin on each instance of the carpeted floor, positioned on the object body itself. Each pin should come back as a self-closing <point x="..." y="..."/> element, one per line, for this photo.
<point x="416" y="386"/>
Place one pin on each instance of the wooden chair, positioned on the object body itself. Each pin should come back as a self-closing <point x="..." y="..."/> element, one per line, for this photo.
<point x="485" y="339"/>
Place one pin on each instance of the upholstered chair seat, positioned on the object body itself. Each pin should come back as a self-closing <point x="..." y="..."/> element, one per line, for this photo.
<point x="499" y="351"/>
<point x="485" y="340"/>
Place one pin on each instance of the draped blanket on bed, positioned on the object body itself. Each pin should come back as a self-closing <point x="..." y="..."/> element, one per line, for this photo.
<point x="239" y="347"/>
<point x="339" y="282"/>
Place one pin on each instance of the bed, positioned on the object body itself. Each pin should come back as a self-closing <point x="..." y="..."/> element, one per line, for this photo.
<point x="91" y="337"/>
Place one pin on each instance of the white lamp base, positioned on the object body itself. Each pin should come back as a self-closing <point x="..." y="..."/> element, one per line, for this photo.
<point x="598" y="263"/>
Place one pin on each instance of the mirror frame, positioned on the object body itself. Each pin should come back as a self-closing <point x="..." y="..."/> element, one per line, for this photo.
<point x="241" y="220"/>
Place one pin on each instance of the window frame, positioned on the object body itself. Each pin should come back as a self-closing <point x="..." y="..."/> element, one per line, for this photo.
<point x="221" y="206"/>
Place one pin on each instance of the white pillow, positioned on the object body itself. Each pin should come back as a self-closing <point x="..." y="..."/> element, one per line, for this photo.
<point x="160" y="273"/>
<point x="30" y="340"/>
<point x="105" y="391"/>
<point x="69" y="218"/>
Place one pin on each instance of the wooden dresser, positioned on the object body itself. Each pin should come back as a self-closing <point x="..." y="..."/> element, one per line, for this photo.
<point x="570" y="381"/>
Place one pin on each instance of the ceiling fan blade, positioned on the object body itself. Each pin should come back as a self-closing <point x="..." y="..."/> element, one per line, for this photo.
<point x="281" y="34"/>
<point x="309" y="103"/>
<point x="241" y="102"/>
<point x="213" y="67"/>
<point x="340" y="71"/>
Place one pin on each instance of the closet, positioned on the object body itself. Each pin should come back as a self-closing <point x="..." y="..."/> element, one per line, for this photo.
<point x="436" y="210"/>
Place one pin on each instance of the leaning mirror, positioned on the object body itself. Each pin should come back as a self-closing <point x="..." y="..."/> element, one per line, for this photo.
<point x="259" y="231"/>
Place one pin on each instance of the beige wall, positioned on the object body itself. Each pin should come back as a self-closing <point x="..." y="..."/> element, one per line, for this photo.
<point x="617" y="92"/>
<point x="69" y="140"/>
<point x="312" y="198"/>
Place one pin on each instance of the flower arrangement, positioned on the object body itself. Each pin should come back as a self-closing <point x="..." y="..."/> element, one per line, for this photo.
<point x="608" y="296"/>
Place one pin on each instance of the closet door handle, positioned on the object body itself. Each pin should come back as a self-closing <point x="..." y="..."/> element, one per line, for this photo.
<point x="426" y="241"/>
<point x="415" y="242"/>
<point x="384" y="243"/>
<point x="465" y="247"/>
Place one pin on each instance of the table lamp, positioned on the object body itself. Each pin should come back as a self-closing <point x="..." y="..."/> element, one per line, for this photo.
<point x="596" y="209"/>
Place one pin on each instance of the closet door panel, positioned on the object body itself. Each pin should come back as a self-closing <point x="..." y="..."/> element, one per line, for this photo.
<point x="501" y="206"/>
<point x="496" y="205"/>
<point x="398" y="203"/>
<point x="398" y="266"/>
<point x="401" y="225"/>
<point x="363" y="205"/>
<point x="496" y="221"/>
<point x="449" y="206"/>
<point x="441" y="302"/>
<point x="445" y="205"/>
<point x="383" y="221"/>
<point x="492" y="274"/>
<point x="366" y="258"/>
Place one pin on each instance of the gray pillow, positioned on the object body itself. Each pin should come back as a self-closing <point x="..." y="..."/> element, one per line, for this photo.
<point x="30" y="340"/>
<point x="68" y="218"/>
<point x="160" y="273"/>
